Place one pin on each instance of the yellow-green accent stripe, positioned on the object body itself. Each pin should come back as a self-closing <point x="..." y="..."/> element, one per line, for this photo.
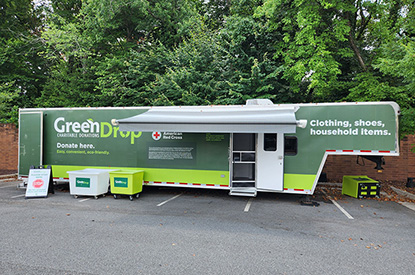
<point x="159" y="175"/>
<point x="298" y="181"/>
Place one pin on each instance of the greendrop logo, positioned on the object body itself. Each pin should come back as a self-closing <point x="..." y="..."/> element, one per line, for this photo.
<point x="82" y="182"/>
<point x="91" y="129"/>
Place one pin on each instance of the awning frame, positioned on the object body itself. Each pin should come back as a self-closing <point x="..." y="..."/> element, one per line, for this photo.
<point x="214" y="119"/>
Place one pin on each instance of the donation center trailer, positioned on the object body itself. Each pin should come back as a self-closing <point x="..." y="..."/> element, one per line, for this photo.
<point x="244" y="149"/>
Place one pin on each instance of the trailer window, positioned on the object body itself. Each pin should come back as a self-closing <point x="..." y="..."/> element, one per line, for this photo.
<point x="244" y="142"/>
<point x="290" y="146"/>
<point x="270" y="142"/>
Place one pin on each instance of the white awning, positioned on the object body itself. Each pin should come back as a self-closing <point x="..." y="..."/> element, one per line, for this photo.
<point x="213" y="119"/>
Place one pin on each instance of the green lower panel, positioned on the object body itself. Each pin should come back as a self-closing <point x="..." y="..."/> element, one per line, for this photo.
<point x="159" y="175"/>
<point x="299" y="181"/>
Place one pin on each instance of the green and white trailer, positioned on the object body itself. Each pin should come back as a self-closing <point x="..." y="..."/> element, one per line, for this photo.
<point x="257" y="147"/>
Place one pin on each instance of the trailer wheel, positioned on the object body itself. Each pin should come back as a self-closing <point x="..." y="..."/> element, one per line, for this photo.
<point x="131" y="198"/>
<point x="137" y="196"/>
<point x="75" y="196"/>
<point x="115" y="196"/>
<point x="96" y="197"/>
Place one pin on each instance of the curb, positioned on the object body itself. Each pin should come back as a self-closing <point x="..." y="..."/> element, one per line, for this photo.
<point x="329" y="184"/>
<point x="8" y="176"/>
<point x="408" y="205"/>
<point x="403" y="193"/>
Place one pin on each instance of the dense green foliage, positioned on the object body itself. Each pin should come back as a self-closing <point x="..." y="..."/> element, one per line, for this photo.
<point x="195" y="52"/>
<point x="22" y="71"/>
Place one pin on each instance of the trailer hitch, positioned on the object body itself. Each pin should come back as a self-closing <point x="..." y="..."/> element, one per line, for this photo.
<point x="306" y="200"/>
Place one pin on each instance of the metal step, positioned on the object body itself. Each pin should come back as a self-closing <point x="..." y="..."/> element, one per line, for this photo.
<point x="243" y="191"/>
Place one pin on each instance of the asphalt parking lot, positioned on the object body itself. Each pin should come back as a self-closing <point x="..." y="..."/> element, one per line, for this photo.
<point x="194" y="231"/>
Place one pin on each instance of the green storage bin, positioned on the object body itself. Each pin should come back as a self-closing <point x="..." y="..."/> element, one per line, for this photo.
<point x="360" y="187"/>
<point x="126" y="182"/>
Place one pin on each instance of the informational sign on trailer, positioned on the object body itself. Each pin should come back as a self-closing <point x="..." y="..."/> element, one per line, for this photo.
<point x="38" y="183"/>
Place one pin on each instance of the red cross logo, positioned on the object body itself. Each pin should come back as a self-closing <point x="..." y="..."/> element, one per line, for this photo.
<point x="156" y="135"/>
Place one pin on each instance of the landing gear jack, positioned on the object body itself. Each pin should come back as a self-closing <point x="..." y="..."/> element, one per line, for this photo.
<point x="306" y="200"/>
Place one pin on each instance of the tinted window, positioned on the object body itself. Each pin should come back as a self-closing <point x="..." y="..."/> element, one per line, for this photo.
<point x="270" y="142"/>
<point x="244" y="142"/>
<point x="290" y="146"/>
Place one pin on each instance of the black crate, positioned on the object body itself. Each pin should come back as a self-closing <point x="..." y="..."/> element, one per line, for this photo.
<point x="368" y="190"/>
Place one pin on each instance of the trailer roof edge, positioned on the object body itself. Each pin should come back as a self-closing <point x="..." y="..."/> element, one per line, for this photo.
<point x="393" y="104"/>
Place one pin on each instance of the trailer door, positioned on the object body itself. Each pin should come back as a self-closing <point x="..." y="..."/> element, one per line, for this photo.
<point x="30" y="141"/>
<point x="270" y="161"/>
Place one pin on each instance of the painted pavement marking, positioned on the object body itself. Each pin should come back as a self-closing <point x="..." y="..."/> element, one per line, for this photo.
<point x="248" y="205"/>
<point x="338" y="206"/>
<point x="166" y="201"/>
<point x="84" y="199"/>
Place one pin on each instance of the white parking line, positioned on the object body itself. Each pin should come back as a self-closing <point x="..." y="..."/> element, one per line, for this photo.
<point x="338" y="206"/>
<point x="342" y="209"/>
<point x="248" y="205"/>
<point x="164" y="202"/>
<point x="85" y="200"/>
<point x="18" y="196"/>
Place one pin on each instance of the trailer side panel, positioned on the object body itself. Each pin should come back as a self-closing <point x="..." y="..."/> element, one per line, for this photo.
<point x="358" y="129"/>
<point x="80" y="138"/>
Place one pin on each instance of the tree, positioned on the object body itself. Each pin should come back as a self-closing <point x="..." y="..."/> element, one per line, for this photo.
<point x="22" y="71"/>
<point x="251" y="70"/>
<point x="91" y="50"/>
<point x="338" y="50"/>
<point x="392" y="74"/>
<point x="213" y="66"/>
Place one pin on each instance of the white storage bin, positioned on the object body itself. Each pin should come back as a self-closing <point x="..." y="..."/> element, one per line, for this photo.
<point x="89" y="182"/>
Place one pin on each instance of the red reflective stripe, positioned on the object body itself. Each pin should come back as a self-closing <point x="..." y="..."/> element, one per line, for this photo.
<point x="294" y="189"/>
<point x="184" y="183"/>
<point x="330" y="150"/>
<point x="366" y="151"/>
<point x="384" y="151"/>
<point x="347" y="150"/>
